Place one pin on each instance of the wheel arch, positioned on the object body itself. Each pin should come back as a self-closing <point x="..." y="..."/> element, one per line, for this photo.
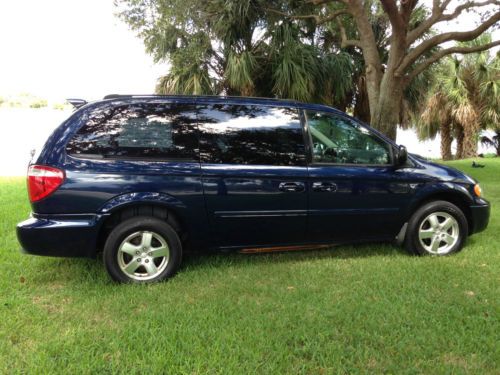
<point x="123" y="207"/>
<point x="454" y="196"/>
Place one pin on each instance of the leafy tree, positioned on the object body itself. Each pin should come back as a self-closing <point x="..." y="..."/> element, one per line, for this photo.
<point x="412" y="49"/>
<point x="366" y="54"/>
<point x="234" y="47"/>
<point x="463" y="100"/>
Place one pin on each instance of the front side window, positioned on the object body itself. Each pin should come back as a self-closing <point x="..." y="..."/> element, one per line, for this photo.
<point x="339" y="140"/>
<point x="142" y="130"/>
<point x="245" y="134"/>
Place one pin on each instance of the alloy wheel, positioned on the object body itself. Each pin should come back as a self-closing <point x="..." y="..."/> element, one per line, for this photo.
<point x="143" y="255"/>
<point x="438" y="233"/>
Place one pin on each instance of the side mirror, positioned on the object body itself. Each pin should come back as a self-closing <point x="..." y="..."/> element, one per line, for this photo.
<point x="401" y="155"/>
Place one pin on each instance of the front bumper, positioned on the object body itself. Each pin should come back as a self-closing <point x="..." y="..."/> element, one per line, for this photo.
<point x="63" y="236"/>
<point x="480" y="213"/>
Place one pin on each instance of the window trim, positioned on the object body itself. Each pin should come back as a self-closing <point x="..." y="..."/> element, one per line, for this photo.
<point x="91" y="157"/>
<point x="309" y="147"/>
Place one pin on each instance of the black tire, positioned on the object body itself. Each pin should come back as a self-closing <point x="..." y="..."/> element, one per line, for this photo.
<point x="419" y="221"/>
<point x="161" y="231"/>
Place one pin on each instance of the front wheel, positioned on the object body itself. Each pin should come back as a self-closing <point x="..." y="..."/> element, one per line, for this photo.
<point x="437" y="228"/>
<point x="142" y="249"/>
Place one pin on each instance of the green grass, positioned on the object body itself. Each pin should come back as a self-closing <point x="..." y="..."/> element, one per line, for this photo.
<point x="350" y="309"/>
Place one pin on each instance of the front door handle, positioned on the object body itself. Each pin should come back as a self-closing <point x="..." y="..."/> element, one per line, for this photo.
<point x="291" y="187"/>
<point x="328" y="187"/>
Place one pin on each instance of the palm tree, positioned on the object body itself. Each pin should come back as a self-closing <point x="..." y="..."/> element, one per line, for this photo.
<point x="493" y="141"/>
<point x="244" y="53"/>
<point x="463" y="99"/>
<point x="437" y="118"/>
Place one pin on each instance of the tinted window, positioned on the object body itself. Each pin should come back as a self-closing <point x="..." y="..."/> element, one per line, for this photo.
<point x="337" y="139"/>
<point x="144" y="130"/>
<point x="242" y="134"/>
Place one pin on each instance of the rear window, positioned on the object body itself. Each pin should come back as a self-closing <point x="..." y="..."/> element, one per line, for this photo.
<point x="144" y="130"/>
<point x="244" y="134"/>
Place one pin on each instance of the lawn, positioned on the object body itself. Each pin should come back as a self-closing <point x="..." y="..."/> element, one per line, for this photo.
<point x="349" y="309"/>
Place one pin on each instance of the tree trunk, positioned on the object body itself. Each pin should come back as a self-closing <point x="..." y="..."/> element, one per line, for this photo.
<point x="446" y="140"/>
<point x="362" y="106"/>
<point x="496" y="139"/>
<point x="470" y="142"/>
<point x="386" y="111"/>
<point x="368" y="43"/>
<point x="460" y="143"/>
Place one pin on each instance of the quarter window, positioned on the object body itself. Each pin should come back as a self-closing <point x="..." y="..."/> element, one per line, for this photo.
<point x="144" y="130"/>
<point x="241" y="134"/>
<point x="339" y="140"/>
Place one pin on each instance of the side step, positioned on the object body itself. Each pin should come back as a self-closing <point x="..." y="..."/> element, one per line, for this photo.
<point x="256" y="250"/>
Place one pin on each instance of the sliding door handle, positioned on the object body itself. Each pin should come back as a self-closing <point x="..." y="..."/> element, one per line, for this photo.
<point x="292" y="187"/>
<point x="327" y="187"/>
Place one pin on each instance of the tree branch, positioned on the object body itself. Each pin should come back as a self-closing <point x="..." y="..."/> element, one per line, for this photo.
<point x="438" y="15"/>
<point x="391" y="9"/>
<point x="318" y="20"/>
<point x="321" y="2"/>
<point x="419" y="68"/>
<point x="460" y="36"/>
<point x="444" y="5"/>
<point x="344" y="41"/>
<point x="468" y="5"/>
<point x="332" y="16"/>
<point x="407" y="7"/>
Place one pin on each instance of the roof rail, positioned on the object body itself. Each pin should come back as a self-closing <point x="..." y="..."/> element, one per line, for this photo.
<point x="117" y="96"/>
<point x="128" y="96"/>
<point x="77" y="103"/>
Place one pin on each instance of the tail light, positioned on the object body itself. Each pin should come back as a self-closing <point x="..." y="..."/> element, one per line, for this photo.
<point x="43" y="181"/>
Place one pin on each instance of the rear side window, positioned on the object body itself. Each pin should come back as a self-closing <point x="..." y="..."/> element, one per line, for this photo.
<point x="143" y="130"/>
<point x="244" y="134"/>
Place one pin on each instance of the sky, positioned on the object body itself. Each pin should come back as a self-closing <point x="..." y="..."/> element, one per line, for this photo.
<point x="78" y="48"/>
<point x="71" y="48"/>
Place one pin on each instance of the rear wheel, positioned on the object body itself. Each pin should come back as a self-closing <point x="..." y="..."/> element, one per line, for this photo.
<point x="437" y="228"/>
<point x="142" y="249"/>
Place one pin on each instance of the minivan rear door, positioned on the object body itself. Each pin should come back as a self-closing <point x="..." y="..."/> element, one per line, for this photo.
<point x="254" y="174"/>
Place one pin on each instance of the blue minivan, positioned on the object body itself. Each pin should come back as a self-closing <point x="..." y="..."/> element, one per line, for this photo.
<point x="144" y="179"/>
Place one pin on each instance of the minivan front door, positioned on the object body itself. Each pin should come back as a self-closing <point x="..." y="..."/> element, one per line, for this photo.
<point x="254" y="174"/>
<point x="355" y="191"/>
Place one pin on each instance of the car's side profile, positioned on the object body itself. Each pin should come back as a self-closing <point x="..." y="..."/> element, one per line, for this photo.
<point x="145" y="178"/>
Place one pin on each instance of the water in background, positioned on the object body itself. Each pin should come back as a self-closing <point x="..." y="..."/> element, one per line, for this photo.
<point x="22" y="130"/>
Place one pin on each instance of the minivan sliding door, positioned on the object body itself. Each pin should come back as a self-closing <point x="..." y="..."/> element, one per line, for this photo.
<point x="254" y="174"/>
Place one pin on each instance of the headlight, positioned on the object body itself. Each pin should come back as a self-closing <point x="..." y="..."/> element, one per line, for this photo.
<point x="477" y="190"/>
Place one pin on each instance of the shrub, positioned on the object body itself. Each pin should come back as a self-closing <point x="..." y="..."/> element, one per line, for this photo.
<point x="38" y="103"/>
<point x="61" y="106"/>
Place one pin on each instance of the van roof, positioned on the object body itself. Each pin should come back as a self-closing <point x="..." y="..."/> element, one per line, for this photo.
<point x="221" y="99"/>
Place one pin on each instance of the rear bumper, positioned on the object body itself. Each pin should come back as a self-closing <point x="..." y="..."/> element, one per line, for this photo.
<point x="63" y="236"/>
<point x="480" y="216"/>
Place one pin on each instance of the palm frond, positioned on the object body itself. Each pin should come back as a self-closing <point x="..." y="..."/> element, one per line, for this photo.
<point x="296" y="65"/>
<point x="239" y="71"/>
<point x="335" y="76"/>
